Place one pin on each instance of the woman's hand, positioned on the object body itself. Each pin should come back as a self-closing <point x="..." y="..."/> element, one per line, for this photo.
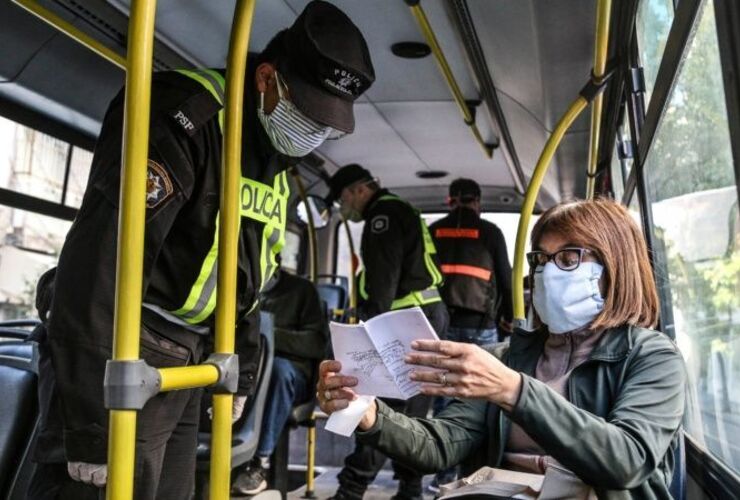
<point x="334" y="392"/>
<point x="463" y="371"/>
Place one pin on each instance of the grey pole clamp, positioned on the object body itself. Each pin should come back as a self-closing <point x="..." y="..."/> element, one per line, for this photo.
<point x="228" y="372"/>
<point x="128" y="385"/>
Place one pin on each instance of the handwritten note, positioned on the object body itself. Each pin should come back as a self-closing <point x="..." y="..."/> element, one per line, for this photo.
<point x="374" y="351"/>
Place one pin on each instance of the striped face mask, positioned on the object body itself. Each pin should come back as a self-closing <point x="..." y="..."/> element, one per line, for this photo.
<point x="290" y="131"/>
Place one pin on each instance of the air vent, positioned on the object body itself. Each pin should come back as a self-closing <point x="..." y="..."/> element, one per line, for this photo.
<point x="431" y="174"/>
<point x="411" y="50"/>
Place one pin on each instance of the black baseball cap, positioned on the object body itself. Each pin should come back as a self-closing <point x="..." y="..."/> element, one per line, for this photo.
<point x="464" y="189"/>
<point x="328" y="66"/>
<point x="345" y="177"/>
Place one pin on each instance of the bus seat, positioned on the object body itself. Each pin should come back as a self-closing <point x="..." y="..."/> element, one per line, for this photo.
<point x="244" y="440"/>
<point x="677" y="488"/>
<point x="334" y="296"/>
<point x="17" y="349"/>
<point x="18" y="416"/>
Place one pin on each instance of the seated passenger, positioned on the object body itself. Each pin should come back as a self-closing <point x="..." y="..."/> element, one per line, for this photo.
<point x="593" y="390"/>
<point x="300" y="343"/>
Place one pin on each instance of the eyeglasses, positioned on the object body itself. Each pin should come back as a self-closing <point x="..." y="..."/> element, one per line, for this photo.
<point x="567" y="259"/>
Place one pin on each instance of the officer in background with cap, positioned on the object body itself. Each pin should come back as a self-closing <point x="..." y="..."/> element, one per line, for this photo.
<point x="300" y="91"/>
<point x="399" y="271"/>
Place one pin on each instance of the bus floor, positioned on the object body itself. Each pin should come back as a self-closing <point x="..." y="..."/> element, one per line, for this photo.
<point x="325" y="485"/>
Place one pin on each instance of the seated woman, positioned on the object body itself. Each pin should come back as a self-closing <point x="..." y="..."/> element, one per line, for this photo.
<point x="594" y="389"/>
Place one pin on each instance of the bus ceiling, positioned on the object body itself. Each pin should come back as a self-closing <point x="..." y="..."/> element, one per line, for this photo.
<point x="518" y="62"/>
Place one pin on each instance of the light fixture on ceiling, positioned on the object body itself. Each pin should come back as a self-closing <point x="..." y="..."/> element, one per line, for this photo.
<point x="411" y="50"/>
<point x="431" y="174"/>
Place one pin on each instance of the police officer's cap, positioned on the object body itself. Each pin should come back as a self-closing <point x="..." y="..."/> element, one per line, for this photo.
<point x="345" y="177"/>
<point x="328" y="66"/>
<point x="464" y="189"/>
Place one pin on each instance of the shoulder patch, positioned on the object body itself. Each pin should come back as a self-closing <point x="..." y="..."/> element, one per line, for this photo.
<point x="379" y="224"/>
<point x="158" y="184"/>
<point x="195" y="112"/>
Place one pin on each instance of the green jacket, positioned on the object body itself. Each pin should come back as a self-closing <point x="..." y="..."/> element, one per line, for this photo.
<point x="617" y="433"/>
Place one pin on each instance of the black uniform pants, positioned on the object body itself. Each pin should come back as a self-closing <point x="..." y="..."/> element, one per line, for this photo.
<point x="166" y="438"/>
<point x="364" y="463"/>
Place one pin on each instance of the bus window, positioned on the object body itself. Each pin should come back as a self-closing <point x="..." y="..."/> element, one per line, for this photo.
<point x="290" y="254"/>
<point x="343" y="265"/>
<point x="79" y="171"/>
<point x="29" y="245"/>
<point x="654" y="18"/>
<point x="695" y="210"/>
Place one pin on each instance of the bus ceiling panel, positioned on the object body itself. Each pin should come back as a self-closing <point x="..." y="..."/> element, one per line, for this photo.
<point x="529" y="136"/>
<point x="386" y="22"/>
<point x="21" y="36"/>
<point x="438" y="135"/>
<point x="200" y="29"/>
<point x="375" y="145"/>
<point x="539" y="53"/>
<point x="71" y="75"/>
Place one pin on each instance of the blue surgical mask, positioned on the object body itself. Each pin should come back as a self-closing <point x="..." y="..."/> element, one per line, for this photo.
<point x="568" y="300"/>
<point x="290" y="131"/>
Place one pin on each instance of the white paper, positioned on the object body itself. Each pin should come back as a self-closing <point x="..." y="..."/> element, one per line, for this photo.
<point x="374" y="352"/>
<point x="392" y="334"/>
<point x="354" y="349"/>
<point x="344" y="422"/>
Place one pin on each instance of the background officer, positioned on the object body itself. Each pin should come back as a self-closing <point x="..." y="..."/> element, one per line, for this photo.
<point x="399" y="271"/>
<point x="301" y="90"/>
<point x="477" y="275"/>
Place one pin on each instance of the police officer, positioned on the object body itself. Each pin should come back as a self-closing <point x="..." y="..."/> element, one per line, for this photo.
<point x="301" y="90"/>
<point x="399" y="272"/>
<point x="473" y="258"/>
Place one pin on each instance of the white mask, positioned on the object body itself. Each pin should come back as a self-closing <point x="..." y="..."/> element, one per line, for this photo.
<point x="290" y="131"/>
<point x="568" y="300"/>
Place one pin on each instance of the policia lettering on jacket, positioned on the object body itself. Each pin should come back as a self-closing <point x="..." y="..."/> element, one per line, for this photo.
<point x="181" y="242"/>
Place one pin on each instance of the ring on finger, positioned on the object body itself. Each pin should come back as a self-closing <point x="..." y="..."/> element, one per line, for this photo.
<point x="443" y="378"/>
<point x="327" y="395"/>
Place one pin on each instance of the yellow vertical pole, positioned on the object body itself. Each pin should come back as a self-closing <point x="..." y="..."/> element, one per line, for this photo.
<point x="312" y="271"/>
<point x="132" y="214"/>
<point x="236" y="66"/>
<point x="353" y="274"/>
<point x="603" y="13"/>
<point x="530" y="197"/>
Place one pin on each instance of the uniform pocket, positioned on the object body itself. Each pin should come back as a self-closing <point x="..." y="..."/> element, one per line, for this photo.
<point x="161" y="352"/>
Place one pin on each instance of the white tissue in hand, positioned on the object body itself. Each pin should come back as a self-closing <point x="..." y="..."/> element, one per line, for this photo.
<point x="344" y="422"/>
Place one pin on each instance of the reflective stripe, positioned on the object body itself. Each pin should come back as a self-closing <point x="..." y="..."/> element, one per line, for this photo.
<point x="425" y="297"/>
<point x="474" y="271"/>
<point x="259" y="202"/>
<point x="457" y="232"/>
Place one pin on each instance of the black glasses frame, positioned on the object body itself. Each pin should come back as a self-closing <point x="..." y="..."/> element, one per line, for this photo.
<point x="536" y="266"/>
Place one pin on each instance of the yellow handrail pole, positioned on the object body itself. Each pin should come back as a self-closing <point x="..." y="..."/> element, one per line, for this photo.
<point x="603" y="13"/>
<point x="313" y="256"/>
<point x="72" y="31"/>
<point x="313" y="267"/>
<point x="353" y="274"/>
<point x="431" y="38"/>
<point x="187" y="377"/>
<point x="219" y="486"/>
<point x="127" y="318"/>
<point x="530" y="197"/>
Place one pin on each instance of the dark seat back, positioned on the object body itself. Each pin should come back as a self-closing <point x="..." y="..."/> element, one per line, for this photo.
<point x="18" y="415"/>
<point x="246" y="438"/>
